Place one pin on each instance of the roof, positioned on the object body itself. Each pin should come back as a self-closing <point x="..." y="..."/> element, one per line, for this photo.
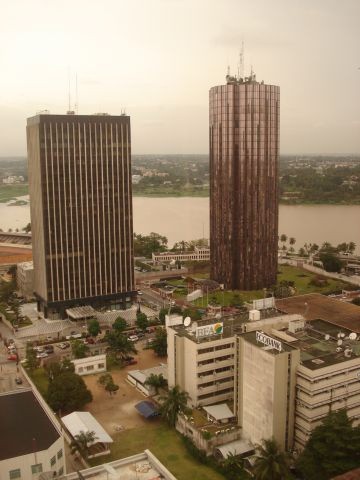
<point x="351" y="475"/>
<point x="146" y="409"/>
<point x="219" y="412"/>
<point x="142" y="375"/>
<point x="314" y="305"/>
<point x="78" y="422"/>
<point x="80" y="312"/>
<point x="23" y="418"/>
<point x="238" y="447"/>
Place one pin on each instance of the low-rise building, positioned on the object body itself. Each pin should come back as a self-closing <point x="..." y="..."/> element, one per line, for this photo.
<point x="90" y="365"/>
<point x="25" y="279"/>
<point x="30" y="442"/>
<point x="199" y="254"/>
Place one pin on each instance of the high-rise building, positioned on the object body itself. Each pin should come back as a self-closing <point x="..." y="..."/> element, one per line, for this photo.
<point x="81" y="210"/>
<point x="244" y="149"/>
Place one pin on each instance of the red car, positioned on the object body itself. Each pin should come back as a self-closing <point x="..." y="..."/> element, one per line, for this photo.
<point x="13" y="357"/>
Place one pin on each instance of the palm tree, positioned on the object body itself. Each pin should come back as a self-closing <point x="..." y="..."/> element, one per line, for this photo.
<point x="156" y="381"/>
<point x="292" y="240"/>
<point x="173" y="403"/>
<point x="233" y="467"/>
<point x="82" y="442"/>
<point x="271" y="463"/>
<point x="351" y="247"/>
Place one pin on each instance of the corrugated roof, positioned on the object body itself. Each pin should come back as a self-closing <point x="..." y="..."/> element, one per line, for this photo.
<point x="219" y="412"/>
<point x="78" y="422"/>
<point x="238" y="447"/>
<point x="146" y="409"/>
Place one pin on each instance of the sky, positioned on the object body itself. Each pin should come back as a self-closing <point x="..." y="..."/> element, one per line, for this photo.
<point x="157" y="60"/>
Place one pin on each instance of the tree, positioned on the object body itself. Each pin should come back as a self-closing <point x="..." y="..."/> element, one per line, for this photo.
<point x="331" y="262"/>
<point x="120" y="344"/>
<point x="356" y="301"/>
<point x="156" y="381"/>
<point x="333" y="448"/>
<point x="236" y="300"/>
<point x="193" y="313"/>
<point x="7" y="290"/>
<point x="107" y="381"/>
<point x="233" y="467"/>
<point x="271" y="463"/>
<point x="31" y="361"/>
<point x="68" y="392"/>
<point x="141" y="321"/>
<point x="144" y="245"/>
<point x="54" y="369"/>
<point x="27" y="229"/>
<point x="82" y="442"/>
<point x="159" y="344"/>
<point x="94" y="327"/>
<point x="292" y="241"/>
<point x="173" y="403"/>
<point x="79" y="349"/>
<point x="351" y="247"/>
<point x="120" y="324"/>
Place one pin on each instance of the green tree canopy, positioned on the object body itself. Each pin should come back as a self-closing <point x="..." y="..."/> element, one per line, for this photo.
<point x="68" y="392"/>
<point x="94" y="327"/>
<point x="120" y="324"/>
<point x="159" y="344"/>
<point x="141" y="321"/>
<point x="120" y="344"/>
<point x="173" y="403"/>
<point x="82" y="443"/>
<point x="271" y="463"/>
<point x="156" y="381"/>
<point x="54" y="369"/>
<point x="31" y="361"/>
<point x="333" y="448"/>
<point x="79" y="349"/>
<point x="144" y="245"/>
<point x="331" y="262"/>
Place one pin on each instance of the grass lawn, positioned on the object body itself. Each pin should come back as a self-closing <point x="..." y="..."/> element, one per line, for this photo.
<point x="9" y="192"/>
<point x="166" y="444"/>
<point x="40" y="379"/>
<point x="302" y="278"/>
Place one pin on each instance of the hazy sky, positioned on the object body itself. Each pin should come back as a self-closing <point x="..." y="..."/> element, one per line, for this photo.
<point x="158" y="58"/>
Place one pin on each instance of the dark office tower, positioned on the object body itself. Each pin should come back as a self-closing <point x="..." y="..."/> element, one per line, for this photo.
<point x="244" y="149"/>
<point x="81" y="210"/>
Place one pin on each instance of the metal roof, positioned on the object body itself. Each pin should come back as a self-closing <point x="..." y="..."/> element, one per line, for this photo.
<point x="146" y="409"/>
<point x="77" y="313"/>
<point x="78" y="422"/>
<point x="219" y="412"/>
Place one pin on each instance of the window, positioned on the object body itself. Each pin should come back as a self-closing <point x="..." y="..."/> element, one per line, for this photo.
<point x="53" y="460"/>
<point x="61" y="471"/>
<point x="15" y="474"/>
<point x="36" y="468"/>
<point x="60" y="454"/>
<point x="101" y="365"/>
<point x="90" y="367"/>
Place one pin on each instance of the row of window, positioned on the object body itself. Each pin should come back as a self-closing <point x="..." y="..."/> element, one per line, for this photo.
<point x="37" y="468"/>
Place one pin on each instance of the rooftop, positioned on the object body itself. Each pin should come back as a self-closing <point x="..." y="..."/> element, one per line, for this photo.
<point x="23" y="418"/>
<point x="314" y="306"/>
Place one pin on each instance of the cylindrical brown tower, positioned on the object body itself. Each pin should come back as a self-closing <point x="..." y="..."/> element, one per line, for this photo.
<point x="244" y="150"/>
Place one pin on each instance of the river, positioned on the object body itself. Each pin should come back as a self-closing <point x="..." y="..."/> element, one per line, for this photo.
<point x="187" y="218"/>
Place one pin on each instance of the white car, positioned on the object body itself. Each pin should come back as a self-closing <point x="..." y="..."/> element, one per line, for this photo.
<point x="42" y="355"/>
<point x="133" y="338"/>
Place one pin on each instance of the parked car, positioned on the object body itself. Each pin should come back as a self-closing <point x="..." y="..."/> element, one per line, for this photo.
<point x="73" y="335"/>
<point x="90" y="340"/>
<point x="130" y="362"/>
<point x="49" y="349"/>
<point x="13" y="357"/>
<point x="39" y="349"/>
<point x="42" y="355"/>
<point x="18" y="381"/>
<point x="133" y="338"/>
<point x="140" y="334"/>
<point x="63" y="345"/>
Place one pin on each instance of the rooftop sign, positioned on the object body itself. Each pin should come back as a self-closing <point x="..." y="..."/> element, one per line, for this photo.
<point x="268" y="341"/>
<point x="207" y="330"/>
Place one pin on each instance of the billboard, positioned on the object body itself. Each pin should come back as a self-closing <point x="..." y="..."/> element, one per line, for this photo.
<point x="268" y="341"/>
<point x="264" y="303"/>
<point x="207" y="330"/>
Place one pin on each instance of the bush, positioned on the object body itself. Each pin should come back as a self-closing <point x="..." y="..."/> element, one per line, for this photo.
<point x="319" y="281"/>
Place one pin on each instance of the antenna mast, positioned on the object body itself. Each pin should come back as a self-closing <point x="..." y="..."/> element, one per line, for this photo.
<point x="69" y="90"/>
<point x="76" y="95"/>
<point x="241" y="61"/>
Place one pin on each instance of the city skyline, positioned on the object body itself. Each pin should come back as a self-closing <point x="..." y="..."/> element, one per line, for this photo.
<point x="171" y="54"/>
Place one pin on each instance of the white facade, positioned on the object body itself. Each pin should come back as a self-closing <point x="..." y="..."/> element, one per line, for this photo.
<point x="28" y="466"/>
<point x="89" y="365"/>
<point x="25" y="279"/>
<point x="199" y="254"/>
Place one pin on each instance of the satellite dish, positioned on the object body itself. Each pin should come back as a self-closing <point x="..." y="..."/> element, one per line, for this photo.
<point x="339" y="342"/>
<point x="218" y="315"/>
<point x="327" y="337"/>
<point x="187" y="321"/>
<point x="343" y="335"/>
<point x="339" y="335"/>
<point x="353" y="336"/>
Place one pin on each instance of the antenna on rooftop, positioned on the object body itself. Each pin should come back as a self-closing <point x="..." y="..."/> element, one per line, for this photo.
<point x="76" y="95"/>
<point x="241" y="62"/>
<point x="69" y="90"/>
<point x="187" y="322"/>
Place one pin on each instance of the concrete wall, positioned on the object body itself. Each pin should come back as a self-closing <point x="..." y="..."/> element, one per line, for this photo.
<point x="90" y="365"/>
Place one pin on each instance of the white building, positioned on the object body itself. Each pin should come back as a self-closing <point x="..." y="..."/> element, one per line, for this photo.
<point x="89" y="365"/>
<point x="199" y="254"/>
<point x="30" y="442"/>
<point x="139" y="377"/>
<point x="25" y="279"/>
